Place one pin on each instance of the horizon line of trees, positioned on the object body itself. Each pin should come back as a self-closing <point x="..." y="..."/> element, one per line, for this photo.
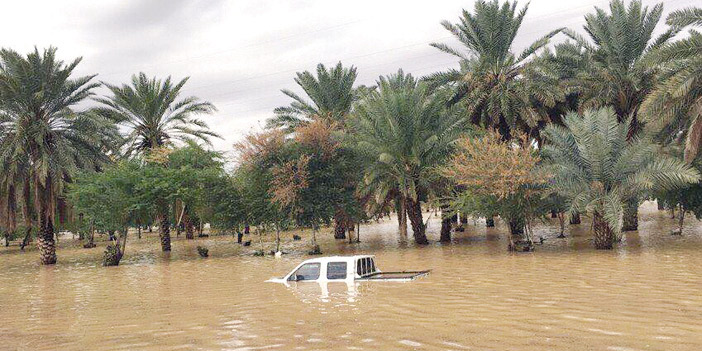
<point x="590" y="126"/>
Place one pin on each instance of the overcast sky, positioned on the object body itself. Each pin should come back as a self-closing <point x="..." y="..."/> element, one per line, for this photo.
<point x="240" y="53"/>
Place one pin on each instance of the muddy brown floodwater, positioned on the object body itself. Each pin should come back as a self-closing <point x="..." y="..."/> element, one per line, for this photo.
<point x="644" y="295"/>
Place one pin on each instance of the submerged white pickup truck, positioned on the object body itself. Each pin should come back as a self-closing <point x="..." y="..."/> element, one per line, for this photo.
<point x="344" y="268"/>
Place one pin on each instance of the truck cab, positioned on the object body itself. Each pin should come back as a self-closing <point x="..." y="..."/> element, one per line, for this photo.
<point x="344" y="269"/>
<point x="333" y="268"/>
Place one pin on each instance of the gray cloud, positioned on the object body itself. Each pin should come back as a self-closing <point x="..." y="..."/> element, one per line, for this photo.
<point x="239" y="54"/>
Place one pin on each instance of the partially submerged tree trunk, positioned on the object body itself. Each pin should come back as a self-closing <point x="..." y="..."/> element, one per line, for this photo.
<point x="402" y="216"/>
<point x="91" y="237"/>
<point x="339" y="225"/>
<point x="10" y="214"/>
<point x="164" y="232"/>
<point x="490" y="222"/>
<point x="277" y="237"/>
<point x="575" y="218"/>
<point x="414" y="212"/>
<point x="561" y="223"/>
<point x="445" y="230"/>
<point x="604" y="236"/>
<point x="519" y="240"/>
<point x="445" y="226"/>
<point x="631" y="216"/>
<point x="115" y="250"/>
<point x="45" y="241"/>
<point x="189" y="227"/>
<point x="27" y="238"/>
<point x="44" y="203"/>
<point x="681" y="221"/>
<point x="516" y="226"/>
<point x="316" y="250"/>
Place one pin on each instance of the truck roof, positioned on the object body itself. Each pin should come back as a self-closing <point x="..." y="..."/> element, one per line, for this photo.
<point x="337" y="258"/>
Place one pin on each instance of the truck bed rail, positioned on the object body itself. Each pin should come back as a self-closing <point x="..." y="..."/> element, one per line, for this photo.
<point x="395" y="276"/>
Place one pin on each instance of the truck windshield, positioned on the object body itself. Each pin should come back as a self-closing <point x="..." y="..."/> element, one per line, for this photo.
<point x="309" y="271"/>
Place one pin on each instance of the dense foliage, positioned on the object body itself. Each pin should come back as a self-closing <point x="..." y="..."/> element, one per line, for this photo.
<point x="587" y="126"/>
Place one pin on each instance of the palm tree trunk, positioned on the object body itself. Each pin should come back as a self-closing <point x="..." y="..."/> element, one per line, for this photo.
<point x="516" y="233"/>
<point x="490" y="222"/>
<point x="516" y="227"/>
<point x="631" y="216"/>
<point x="164" y="232"/>
<point x="45" y="241"/>
<point x="561" y="223"/>
<point x="339" y="226"/>
<point x="189" y="227"/>
<point x="45" y="238"/>
<point x="604" y="236"/>
<point x="445" y="226"/>
<point x="402" y="216"/>
<point x="277" y="237"/>
<point x="11" y="208"/>
<point x="575" y="218"/>
<point x="27" y="238"/>
<point x="27" y="212"/>
<point x="414" y="212"/>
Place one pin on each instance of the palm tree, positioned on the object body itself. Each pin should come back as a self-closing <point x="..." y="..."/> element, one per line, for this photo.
<point x="150" y="109"/>
<point x="619" y="41"/>
<point x="402" y="132"/>
<point x="41" y="131"/>
<point x="489" y="81"/>
<point x="331" y="95"/>
<point x="598" y="167"/>
<point x="619" y="74"/>
<point x="677" y="99"/>
<point x="156" y="117"/>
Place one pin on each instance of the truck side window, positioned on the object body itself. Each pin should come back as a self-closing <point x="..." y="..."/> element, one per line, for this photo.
<point x="359" y="267"/>
<point x="309" y="271"/>
<point x="336" y="270"/>
<point x="372" y="265"/>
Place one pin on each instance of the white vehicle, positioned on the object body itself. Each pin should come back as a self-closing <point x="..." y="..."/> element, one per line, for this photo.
<point x="345" y="269"/>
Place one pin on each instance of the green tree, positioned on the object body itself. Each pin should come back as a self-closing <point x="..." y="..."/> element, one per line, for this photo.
<point x="109" y="202"/>
<point x="45" y="135"/>
<point x="155" y="117"/>
<point x="501" y="177"/>
<point x="597" y="168"/>
<point x="258" y="155"/>
<point x="330" y="98"/>
<point x="402" y="132"/>
<point x="490" y="80"/>
<point x="199" y="172"/>
<point x="620" y="75"/>
<point x="154" y="114"/>
<point x="677" y="99"/>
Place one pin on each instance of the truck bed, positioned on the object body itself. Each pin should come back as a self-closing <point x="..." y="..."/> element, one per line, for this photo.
<point x="395" y="276"/>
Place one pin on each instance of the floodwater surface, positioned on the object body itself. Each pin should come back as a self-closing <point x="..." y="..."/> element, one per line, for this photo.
<point x="644" y="295"/>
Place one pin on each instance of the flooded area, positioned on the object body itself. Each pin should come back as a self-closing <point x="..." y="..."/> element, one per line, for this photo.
<point x="644" y="295"/>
